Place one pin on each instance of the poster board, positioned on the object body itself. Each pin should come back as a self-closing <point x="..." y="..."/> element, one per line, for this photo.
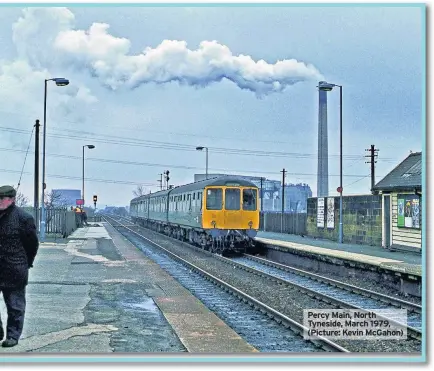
<point x="331" y="212"/>
<point x="320" y="213"/>
<point x="408" y="211"/>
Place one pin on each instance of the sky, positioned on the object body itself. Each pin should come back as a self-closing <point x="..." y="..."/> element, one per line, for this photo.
<point x="148" y="85"/>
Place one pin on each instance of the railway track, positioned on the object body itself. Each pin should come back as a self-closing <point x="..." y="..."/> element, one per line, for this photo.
<point x="338" y="293"/>
<point x="289" y="330"/>
<point x="333" y="293"/>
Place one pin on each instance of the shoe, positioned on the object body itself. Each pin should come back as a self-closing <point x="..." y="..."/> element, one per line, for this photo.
<point x="8" y="343"/>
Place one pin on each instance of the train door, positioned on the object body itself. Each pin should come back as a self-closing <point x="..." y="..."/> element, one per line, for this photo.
<point x="232" y="207"/>
<point x="213" y="208"/>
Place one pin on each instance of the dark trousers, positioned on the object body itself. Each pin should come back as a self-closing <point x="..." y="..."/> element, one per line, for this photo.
<point x="15" y="300"/>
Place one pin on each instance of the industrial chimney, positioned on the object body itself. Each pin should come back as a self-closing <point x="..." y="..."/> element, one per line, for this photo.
<point x="323" y="168"/>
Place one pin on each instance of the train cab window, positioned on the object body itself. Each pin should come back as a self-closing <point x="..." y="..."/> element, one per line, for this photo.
<point x="214" y="199"/>
<point x="232" y="199"/>
<point x="249" y="199"/>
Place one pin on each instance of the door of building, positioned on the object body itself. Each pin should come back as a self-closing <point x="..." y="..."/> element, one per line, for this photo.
<point x="386" y="208"/>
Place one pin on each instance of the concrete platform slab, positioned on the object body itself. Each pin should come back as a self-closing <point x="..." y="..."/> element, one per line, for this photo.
<point x="395" y="264"/>
<point x="96" y="293"/>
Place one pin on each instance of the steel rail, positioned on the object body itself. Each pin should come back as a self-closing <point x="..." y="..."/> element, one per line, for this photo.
<point x="298" y="328"/>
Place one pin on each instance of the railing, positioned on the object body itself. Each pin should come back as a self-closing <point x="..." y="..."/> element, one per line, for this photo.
<point x="291" y="223"/>
<point x="59" y="221"/>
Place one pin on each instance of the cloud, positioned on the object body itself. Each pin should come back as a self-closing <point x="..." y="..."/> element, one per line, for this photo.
<point x="46" y="38"/>
<point x="171" y="61"/>
<point x="22" y="79"/>
<point x="35" y="31"/>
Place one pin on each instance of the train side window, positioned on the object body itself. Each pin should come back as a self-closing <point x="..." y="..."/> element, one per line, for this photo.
<point x="249" y="199"/>
<point x="199" y="196"/>
<point x="232" y="199"/>
<point x="214" y="199"/>
<point x="194" y="194"/>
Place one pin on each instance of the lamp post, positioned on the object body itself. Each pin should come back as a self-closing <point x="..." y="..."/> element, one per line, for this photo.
<point x="60" y="81"/>
<point x="90" y="146"/>
<point x="325" y="86"/>
<point x="206" y="149"/>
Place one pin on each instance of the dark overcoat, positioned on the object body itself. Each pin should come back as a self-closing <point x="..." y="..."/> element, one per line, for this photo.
<point x="18" y="246"/>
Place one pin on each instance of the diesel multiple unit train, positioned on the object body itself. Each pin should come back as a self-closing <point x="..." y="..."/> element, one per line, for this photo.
<point x="219" y="214"/>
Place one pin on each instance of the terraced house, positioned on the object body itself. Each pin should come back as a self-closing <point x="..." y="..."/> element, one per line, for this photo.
<point x="401" y="192"/>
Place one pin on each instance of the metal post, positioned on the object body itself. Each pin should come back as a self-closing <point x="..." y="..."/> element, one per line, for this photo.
<point x="36" y="185"/>
<point x="372" y="166"/>
<point x="262" y="197"/>
<point x="283" y="200"/>
<point x="341" y="231"/>
<point x="42" y="225"/>
<point x="82" y="189"/>
<point x="206" y="148"/>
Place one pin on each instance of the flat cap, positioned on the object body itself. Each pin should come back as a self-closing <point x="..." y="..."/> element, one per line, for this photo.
<point x="7" y="191"/>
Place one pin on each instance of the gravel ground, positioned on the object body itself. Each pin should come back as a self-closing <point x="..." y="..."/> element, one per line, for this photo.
<point x="283" y="298"/>
<point x="360" y="282"/>
<point x="375" y="287"/>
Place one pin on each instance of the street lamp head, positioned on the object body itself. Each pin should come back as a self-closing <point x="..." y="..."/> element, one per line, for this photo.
<point x="60" y="81"/>
<point x="199" y="148"/>
<point x="90" y="146"/>
<point x="325" y="86"/>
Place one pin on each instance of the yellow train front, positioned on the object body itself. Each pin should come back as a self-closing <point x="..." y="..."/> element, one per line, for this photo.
<point x="230" y="214"/>
<point x="219" y="214"/>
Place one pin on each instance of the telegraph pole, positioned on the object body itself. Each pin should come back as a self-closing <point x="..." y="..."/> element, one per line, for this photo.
<point x="36" y="185"/>
<point x="262" y="196"/>
<point x="161" y="182"/>
<point x="372" y="155"/>
<point x="283" y="199"/>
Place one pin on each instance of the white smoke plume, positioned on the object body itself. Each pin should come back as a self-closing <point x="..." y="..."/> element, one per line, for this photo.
<point x="35" y="31"/>
<point x="47" y="37"/>
<point x="107" y="57"/>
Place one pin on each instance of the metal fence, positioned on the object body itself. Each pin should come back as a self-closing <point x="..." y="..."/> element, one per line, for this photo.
<point x="291" y="223"/>
<point x="58" y="221"/>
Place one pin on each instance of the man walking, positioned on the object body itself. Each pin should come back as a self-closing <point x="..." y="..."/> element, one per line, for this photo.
<point x="18" y="248"/>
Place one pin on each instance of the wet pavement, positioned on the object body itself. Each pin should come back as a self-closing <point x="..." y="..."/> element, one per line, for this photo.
<point x="96" y="293"/>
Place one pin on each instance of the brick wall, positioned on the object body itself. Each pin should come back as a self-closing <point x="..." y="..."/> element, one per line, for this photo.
<point x="361" y="220"/>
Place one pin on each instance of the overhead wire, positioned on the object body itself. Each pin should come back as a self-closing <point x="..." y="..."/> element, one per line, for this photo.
<point x="25" y="158"/>
<point x="176" y="146"/>
<point x="123" y="162"/>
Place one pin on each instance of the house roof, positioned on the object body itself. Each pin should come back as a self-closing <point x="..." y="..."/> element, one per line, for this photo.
<point x="405" y="176"/>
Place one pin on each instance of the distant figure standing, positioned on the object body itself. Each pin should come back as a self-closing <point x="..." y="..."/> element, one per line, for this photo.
<point x="18" y="248"/>
<point x="84" y="217"/>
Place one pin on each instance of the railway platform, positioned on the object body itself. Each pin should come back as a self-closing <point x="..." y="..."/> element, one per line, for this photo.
<point x="95" y="294"/>
<point x="397" y="268"/>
